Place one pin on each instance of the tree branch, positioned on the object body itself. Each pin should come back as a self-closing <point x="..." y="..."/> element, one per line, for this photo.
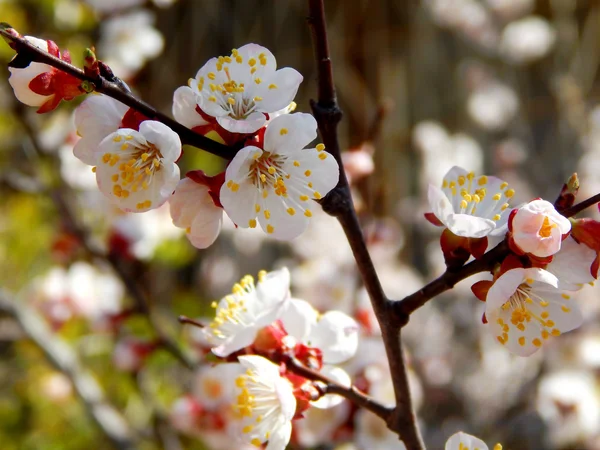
<point x="339" y="203"/>
<point x="101" y="84"/>
<point x="62" y="357"/>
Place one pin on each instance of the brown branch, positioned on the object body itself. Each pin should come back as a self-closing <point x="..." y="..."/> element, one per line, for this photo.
<point x="64" y="359"/>
<point x="134" y="289"/>
<point x="333" y="387"/>
<point x="409" y="304"/>
<point x="101" y="84"/>
<point x="339" y="203"/>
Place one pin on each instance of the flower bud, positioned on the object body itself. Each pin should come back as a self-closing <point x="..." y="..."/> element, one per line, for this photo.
<point x="538" y="229"/>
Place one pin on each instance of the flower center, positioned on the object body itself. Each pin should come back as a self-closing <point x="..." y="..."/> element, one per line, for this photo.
<point x="546" y="228"/>
<point x="231" y="94"/>
<point x="234" y="310"/>
<point x="521" y="315"/>
<point x="137" y="166"/>
<point x="469" y="195"/>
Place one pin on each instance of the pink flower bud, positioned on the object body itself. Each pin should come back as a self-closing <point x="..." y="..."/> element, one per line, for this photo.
<point x="538" y="229"/>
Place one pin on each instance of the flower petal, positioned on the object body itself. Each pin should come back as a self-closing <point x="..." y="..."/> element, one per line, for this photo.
<point x="289" y="133"/>
<point x="184" y="108"/>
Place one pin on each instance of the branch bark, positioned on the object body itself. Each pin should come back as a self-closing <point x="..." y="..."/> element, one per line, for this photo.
<point x="104" y="86"/>
<point x="62" y="357"/>
<point x="339" y="203"/>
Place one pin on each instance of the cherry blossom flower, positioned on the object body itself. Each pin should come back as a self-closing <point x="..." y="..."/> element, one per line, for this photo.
<point x="238" y="90"/>
<point x="42" y="85"/>
<point x="537" y="228"/>
<point x="527" y="40"/>
<point x="212" y="384"/>
<point x="128" y="41"/>
<point x="572" y="265"/>
<point x="276" y="183"/>
<point x="265" y="404"/>
<point x="193" y="209"/>
<point x="98" y="116"/>
<point x="240" y="315"/>
<point x="136" y="169"/>
<point x="524" y="307"/>
<point x="471" y="206"/>
<point x="464" y="441"/>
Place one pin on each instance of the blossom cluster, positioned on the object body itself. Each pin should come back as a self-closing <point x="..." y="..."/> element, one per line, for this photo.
<point x="238" y="99"/>
<point x="550" y="257"/>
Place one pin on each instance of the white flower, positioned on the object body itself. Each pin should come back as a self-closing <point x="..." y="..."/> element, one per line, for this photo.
<point x="471" y="206"/>
<point x="136" y="169"/>
<point x="277" y="182"/>
<point x="238" y="90"/>
<point x="334" y="333"/>
<point x="212" y="384"/>
<point x="464" y="441"/>
<point x="184" y="108"/>
<point x="265" y="404"/>
<point x="98" y="116"/>
<point x="127" y="41"/>
<point x="524" y="307"/>
<point x="193" y="209"/>
<point x="571" y="265"/>
<point x="493" y="105"/>
<point x="20" y="78"/>
<point x="249" y="308"/>
<point x="537" y="228"/>
<point x="527" y="40"/>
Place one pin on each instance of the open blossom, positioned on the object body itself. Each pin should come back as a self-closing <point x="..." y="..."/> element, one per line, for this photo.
<point x="238" y="90"/>
<point x="572" y="265"/>
<point x="524" y="307"/>
<point x="42" y="85"/>
<point x="464" y="441"/>
<point x="276" y="183"/>
<point x="97" y="117"/>
<point x="240" y="315"/>
<point x="537" y="228"/>
<point x="136" y="169"/>
<point x="471" y="206"/>
<point x="193" y="209"/>
<point x="265" y="404"/>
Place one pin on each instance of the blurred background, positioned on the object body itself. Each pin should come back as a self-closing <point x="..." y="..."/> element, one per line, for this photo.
<point x="91" y="353"/>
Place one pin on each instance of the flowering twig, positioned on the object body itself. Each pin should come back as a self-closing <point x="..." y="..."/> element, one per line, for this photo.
<point x="112" y="89"/>
<point x="62" y="357"/>
<point x="409" y="304"/>
<point x="339" y="204"/>
<point x="332" y="387"/>
<point x="134" y="289"/>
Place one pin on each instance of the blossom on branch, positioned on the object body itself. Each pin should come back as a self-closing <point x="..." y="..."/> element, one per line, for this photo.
<point x="240" y="315"/>
<point x="242" y="89"/>
<point x="194" y="209"/>
<point x="525" y="307"/>
<point x="266" y="403"/>
<point x="136" y="169"/>
<point x="470" y="206"/>
<point x="42" y="85"/>
<point x="537" y="228"/>
<point x="276" y="182"/>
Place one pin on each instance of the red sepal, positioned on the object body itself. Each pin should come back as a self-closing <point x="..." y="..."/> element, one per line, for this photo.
<point x="481" y="288"/>
<point x="132" y="119"/>
<point x="586" y="231"/>
<point x="484" y="319"/>
<point x="477" y="246"/>
<point x="213" y="183"/>
<point x="455" y="249"/>
<point x="509" y="263"/>
<point x="432" y="218"/>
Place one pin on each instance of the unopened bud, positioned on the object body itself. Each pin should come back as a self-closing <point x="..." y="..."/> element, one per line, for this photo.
<point x="567" y="195"/>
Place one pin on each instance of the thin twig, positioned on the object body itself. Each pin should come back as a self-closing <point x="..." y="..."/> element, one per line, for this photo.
<point x="333" y="387"/>
<point x="101" y="84"/>
<point x="339" y="204"/>
<point x="62" y="357"/>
